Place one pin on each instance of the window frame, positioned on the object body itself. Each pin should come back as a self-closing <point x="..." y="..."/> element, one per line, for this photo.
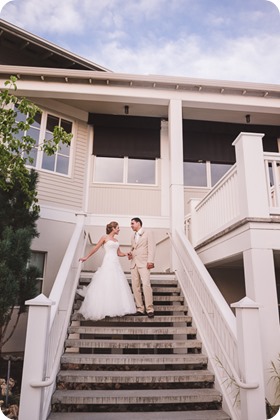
<point x="42" y="135"/>
<point x="125" y="160"/>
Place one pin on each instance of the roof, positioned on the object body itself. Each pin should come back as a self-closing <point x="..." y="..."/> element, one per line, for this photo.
<point x="21" y="48"/>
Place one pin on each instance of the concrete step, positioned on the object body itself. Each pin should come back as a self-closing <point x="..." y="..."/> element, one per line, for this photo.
<point x="134" y="330"/>
<point x="141" y="319"/>
<point x="135" y="376"/>
<point x="133" y="344"/>
<point x="155" y="396"/>
<point x="162" y="415"/>
<point x="134" y="359"/>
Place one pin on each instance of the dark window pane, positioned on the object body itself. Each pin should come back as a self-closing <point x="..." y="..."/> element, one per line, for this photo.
<point x="108" y="169"/>
<point x="48" y="162"/>
<point x="62" y="164"/>
<point x="66" y="125"/>
<point x="195" y="174"/>
<point x="52" y="122"/>
<point x="217" y="171"/>
<point x="141" y="171"/>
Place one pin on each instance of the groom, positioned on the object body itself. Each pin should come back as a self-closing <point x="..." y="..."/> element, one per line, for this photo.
<point x="141" y="261"/>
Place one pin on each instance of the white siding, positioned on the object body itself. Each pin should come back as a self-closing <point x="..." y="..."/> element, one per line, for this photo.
<point x="62" y="191"/>
<point x="109" y="199"/>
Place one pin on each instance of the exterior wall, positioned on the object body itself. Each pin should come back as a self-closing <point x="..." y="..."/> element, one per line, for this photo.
<point x="17" y="341"/>
<point x="53" y="240"/>
<point x="123" y="199"/>
<point x="67" y="191"/>
<point x="192" y="192"/>
<point x="230" y="282"/>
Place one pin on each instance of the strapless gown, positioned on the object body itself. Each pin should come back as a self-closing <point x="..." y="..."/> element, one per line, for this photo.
<point x="108" y="293"/>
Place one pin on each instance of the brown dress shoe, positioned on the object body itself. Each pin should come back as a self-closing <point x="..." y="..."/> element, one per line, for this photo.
<point x="151" y="314"/>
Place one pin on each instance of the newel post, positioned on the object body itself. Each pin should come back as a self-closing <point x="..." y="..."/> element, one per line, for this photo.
<point x="31" y="399"/>
<point x="252" y="184"/>
<point x="250" y="359"/>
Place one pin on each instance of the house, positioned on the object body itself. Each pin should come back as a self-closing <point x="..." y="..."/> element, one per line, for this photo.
<point x="197" y="160"/>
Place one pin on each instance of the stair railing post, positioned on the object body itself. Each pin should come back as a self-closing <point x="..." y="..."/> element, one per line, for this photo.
<point x="250" y="359"/>
<point x="193" y="230"/>
<point x="34" y="366"/>
<point x="252" y="184"/>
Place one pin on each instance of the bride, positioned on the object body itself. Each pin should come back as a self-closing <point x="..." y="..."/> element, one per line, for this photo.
<point x="108" y="293"/>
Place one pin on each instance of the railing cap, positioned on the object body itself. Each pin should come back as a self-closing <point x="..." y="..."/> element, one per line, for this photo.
<point x="246" y="302"/>
<point x="40" y="300"/>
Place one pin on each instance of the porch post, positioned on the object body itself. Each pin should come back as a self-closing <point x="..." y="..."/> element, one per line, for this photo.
<point x="251" y="175"/>
<point x="164" y="169"/>
<point x="260" y="286"/>
<point x="250" y="359"/>
<point x="31" y="399"/>
<point x="175" y="132"/>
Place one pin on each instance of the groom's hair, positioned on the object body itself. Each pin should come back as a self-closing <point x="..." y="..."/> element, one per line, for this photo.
<point x="137" y="220"/>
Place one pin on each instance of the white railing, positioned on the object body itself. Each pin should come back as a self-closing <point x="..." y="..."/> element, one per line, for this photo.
<point x="61" y="299"/>
<point x="234" y="198"/>
<point x="215" y="322"/>
<point x="272" y="167"/>
<point x="220" y="207"/>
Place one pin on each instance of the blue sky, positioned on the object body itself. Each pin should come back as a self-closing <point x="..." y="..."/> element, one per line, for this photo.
<point x="213" y="39"/>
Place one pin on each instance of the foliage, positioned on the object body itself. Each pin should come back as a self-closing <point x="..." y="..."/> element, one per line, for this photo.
<point x="19" y="208"/>
<point x="16" y="145"/>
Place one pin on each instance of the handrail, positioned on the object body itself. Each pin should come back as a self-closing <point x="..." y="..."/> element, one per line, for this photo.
<point x="238" y="381"/>
<point x="52" y="378"/>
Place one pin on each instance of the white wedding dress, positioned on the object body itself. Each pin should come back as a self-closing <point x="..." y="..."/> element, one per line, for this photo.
<point x="108" y="293"/>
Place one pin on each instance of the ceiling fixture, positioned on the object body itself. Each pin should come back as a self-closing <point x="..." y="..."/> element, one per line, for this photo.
<point x="126" y="109"/>
<point x="248" y="118"/>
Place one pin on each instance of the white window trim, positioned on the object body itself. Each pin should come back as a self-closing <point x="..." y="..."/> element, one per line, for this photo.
<point x="40" y="153"/>
<point x="125" y="174"/>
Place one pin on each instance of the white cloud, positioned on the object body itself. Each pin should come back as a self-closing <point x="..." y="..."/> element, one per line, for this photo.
<point x="230" y="40"/>
<point x="247" y="59"/>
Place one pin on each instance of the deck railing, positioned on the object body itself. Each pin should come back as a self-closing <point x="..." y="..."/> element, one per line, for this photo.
<point x="247" y="190"/>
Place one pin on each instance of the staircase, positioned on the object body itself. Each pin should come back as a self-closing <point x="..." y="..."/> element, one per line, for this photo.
<point x="136" y="368"/>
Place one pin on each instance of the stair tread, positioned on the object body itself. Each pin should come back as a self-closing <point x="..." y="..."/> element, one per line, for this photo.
<point x="136" y="376"/>
<point x="167" y="415"/>
<point x="134" y="318"/>
<point x="133" y="344"/>
<point x="134" y="330"/>
<point x="128" y="359"/>
<point x="141" y="396"/>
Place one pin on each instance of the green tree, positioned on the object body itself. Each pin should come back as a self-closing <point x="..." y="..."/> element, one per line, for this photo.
<point x="19" y="209"/>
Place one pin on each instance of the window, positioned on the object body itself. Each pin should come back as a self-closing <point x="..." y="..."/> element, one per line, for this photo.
<point x="125" y="148"/>
<point x="204" y="174"/>
<point x="125" y="170"/>
<point x="42" y="129"/>
<point x="195" y="174"/>
<point x="38" y="260"/>
<point x="217" y="171"/>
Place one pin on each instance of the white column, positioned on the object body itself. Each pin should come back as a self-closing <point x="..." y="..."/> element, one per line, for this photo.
<point x="164" y="169"/>
<point x="253" y="197"/>
<point x="31" y="399"/>
<point x="175" y="131"/>
<point x="261" y="287"/>
<point x="250" y="359"/>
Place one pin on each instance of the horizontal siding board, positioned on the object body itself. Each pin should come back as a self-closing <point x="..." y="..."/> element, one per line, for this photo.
<point x="67" y="191"/>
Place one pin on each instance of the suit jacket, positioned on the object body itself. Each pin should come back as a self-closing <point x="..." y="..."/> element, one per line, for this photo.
<point x="143" y="251"/>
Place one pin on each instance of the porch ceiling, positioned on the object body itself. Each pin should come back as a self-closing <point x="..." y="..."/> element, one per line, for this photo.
<point x="232" y="115"/>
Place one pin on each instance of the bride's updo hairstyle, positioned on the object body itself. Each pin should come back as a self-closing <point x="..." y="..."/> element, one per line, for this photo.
<point x="110" y="227"/>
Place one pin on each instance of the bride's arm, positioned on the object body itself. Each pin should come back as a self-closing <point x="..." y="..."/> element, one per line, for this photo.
<point x="94" y="249"/>
<point x="120" y="253"/>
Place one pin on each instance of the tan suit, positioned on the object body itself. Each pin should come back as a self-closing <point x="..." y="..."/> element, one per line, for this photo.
<point x="143" y="252"/>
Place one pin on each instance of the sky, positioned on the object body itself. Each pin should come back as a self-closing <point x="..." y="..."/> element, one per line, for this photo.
<point x="235" y="40"/>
